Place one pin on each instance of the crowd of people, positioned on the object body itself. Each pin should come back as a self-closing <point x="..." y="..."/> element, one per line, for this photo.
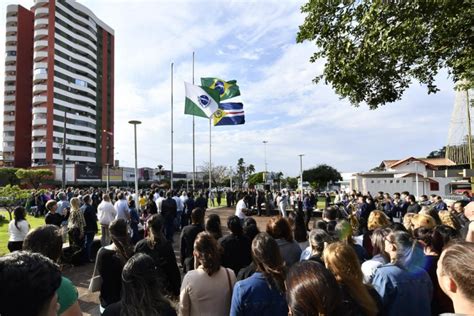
<point x="367" y="255"/>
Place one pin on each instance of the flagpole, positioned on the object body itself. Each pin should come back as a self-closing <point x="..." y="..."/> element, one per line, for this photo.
<point x="172" y="126"/>
<point x="194" y="144"/>
<point x="210" y="157"/>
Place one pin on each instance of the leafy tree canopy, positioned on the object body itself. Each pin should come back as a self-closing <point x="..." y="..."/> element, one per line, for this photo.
<point x="11" y="197"/>
<point x="8" y="176"/>
<point x="374" y="49"/>
<point x="321" y="175"/>
<point x="34" y="177"/>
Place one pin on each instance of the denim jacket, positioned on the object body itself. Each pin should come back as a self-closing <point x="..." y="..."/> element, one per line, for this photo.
<point x="403" y="292"/>
<point x="254" y="296"/>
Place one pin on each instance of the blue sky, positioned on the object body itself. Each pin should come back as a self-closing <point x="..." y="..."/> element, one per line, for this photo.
<point x="254" y="43"/>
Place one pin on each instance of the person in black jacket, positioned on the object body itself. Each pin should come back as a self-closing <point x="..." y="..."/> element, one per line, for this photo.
<point x="161" y="250"/>
<point x="188" y="235"/>
<point x="201" y="201"/>
<point x="169" y="211"/>
<point x="90" y="229"/>
<point x="237" y="247"/>
<point x="52" y="217"/>
<point x="189" y="206"/>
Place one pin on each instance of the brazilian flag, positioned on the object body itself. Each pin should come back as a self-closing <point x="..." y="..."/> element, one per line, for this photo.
<point x="227" y="89"/>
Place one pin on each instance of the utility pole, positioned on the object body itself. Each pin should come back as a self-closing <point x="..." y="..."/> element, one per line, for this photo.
<point x="64" y="153"/>
<point x="301" y="173"/>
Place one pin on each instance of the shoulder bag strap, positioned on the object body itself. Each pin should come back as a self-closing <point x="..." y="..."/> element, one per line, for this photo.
<point x="95" y="273"/>
<point x="230" y="284"/>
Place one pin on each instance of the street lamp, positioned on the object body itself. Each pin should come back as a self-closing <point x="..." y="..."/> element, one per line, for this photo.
<point x="301" y="173"/>
<point x="135" y="123"/>
<point x="265" y="155"/>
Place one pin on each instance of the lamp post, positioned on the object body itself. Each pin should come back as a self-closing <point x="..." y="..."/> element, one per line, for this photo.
<point x="301" y="173"/>
<point x="135" y="123"/>
<point x="265" y="159"/>
<point x="108" y="176"/>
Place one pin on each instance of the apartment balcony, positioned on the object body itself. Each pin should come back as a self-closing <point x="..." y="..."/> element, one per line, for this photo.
<point x="10" y="149"/>
<point x="38" y="156"/>
<point x="39" y="110"/>
<point x="39" y="99"/>
<point x="9" y="118"/>
<point x="9" y="98"/>
<point x="37" y="132"/>
<point x="41" y="2"/>
<point x="10" y="68"/>
<point x="40" y="33"/>
<point x="10" y="88"/>
<point x="38" y="88"/>
<point x="8" y="128"/>
<point x="8" y="108"/>
<point x="41" y="22"/>
<point x="12" y="19"/>
<point x="8" y="138"/>
<point x="10" y="40"/>
<point x="41" y="12"/>
<point x="38" y="45"/>
<point x="11" y="30"/>
<point x="39" y="55"/>
<point x="10" y="59"/>
<point x="39" y="121"/>
<point x="10" y="78"/>
<point x="39" y="77"/>
<point x="8" y="157"/>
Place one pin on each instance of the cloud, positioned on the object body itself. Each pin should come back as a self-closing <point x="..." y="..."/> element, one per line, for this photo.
<point x="254" y="43"/>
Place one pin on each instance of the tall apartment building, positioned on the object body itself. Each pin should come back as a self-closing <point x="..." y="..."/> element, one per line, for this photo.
<point x="59" y="80"/>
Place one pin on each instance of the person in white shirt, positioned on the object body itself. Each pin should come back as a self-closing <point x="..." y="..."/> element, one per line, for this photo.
<point x="121" y="206"/>
<point x="283" y="203"/>
<point x="241" y="208"/>
<point x="159" y="201"/>
<point x="17" y="228"/>
<point x="106" y="213"/>
<point x="179" y="210"/>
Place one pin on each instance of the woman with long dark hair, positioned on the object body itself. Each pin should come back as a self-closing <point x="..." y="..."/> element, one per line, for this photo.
<point x="404" y="287"/>
<point x="206" y="290"/>
<point x="312" y="290"/>
<point x="156" y="246"/>
<point x="264" y="292"/>
<point x="141" y="290"/>
<point x="379" y="256"/>
<point x="341" y="259"/>
<point x="110" y="262"/>
<point x="17" y="228"/>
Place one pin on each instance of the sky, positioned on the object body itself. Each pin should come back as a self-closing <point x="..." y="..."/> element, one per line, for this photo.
<point x="253" y="42"/>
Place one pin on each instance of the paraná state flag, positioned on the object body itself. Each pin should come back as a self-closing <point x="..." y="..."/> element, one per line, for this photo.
<point x="227" y="89"/>
<point x="200" y="101"/>
<point x="229" y="114"/>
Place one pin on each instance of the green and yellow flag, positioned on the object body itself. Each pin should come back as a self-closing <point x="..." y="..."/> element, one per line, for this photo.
<point x="226" y="89"/>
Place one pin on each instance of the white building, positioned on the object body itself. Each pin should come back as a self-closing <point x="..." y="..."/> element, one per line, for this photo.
<point x="416" y="175"/>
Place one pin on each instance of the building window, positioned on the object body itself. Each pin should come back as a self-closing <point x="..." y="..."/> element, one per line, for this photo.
<point x="11" y="53"/>
<point x="391" y="181"/>
<point x="81" y="83"/>
<point x="434" y="186"/>
<point x="404" y="181"/>
<point x="39" y="71"/>
<point x="397" y="181"/>
<point x="372" y="181"/>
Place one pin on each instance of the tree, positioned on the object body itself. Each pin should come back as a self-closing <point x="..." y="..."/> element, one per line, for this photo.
<point x="34" y="177"/>
<point x="292" y="182"/>
<point x="321" y="175"/>
<point x="374" y="49"/>
<point x="8" y="176"/>
<point x="256" y="178"/>
<point x="218" y="173"/>
<point x="11" y="197"/>
<point x="243" y="172"/>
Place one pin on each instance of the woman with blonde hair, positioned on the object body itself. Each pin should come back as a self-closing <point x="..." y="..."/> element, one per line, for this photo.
<point x="377" y="219"/>
<point x="341" y="259"/>
<point x="76" y="224"/>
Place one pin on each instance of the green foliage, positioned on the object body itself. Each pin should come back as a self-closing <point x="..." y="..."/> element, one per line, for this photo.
<point x="321" y="175"/>
<point x="374" y="49"/>
<point x="8" y="176"/>
<point x="11" y="197"/>
<point x="34" y="177"/>
<point x="243" y="172"/>
<point x="256" y="178"/>
<point x="292" y="182"/>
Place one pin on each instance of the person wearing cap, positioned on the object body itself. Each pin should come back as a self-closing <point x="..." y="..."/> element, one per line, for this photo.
<point x="53" y="217"/>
